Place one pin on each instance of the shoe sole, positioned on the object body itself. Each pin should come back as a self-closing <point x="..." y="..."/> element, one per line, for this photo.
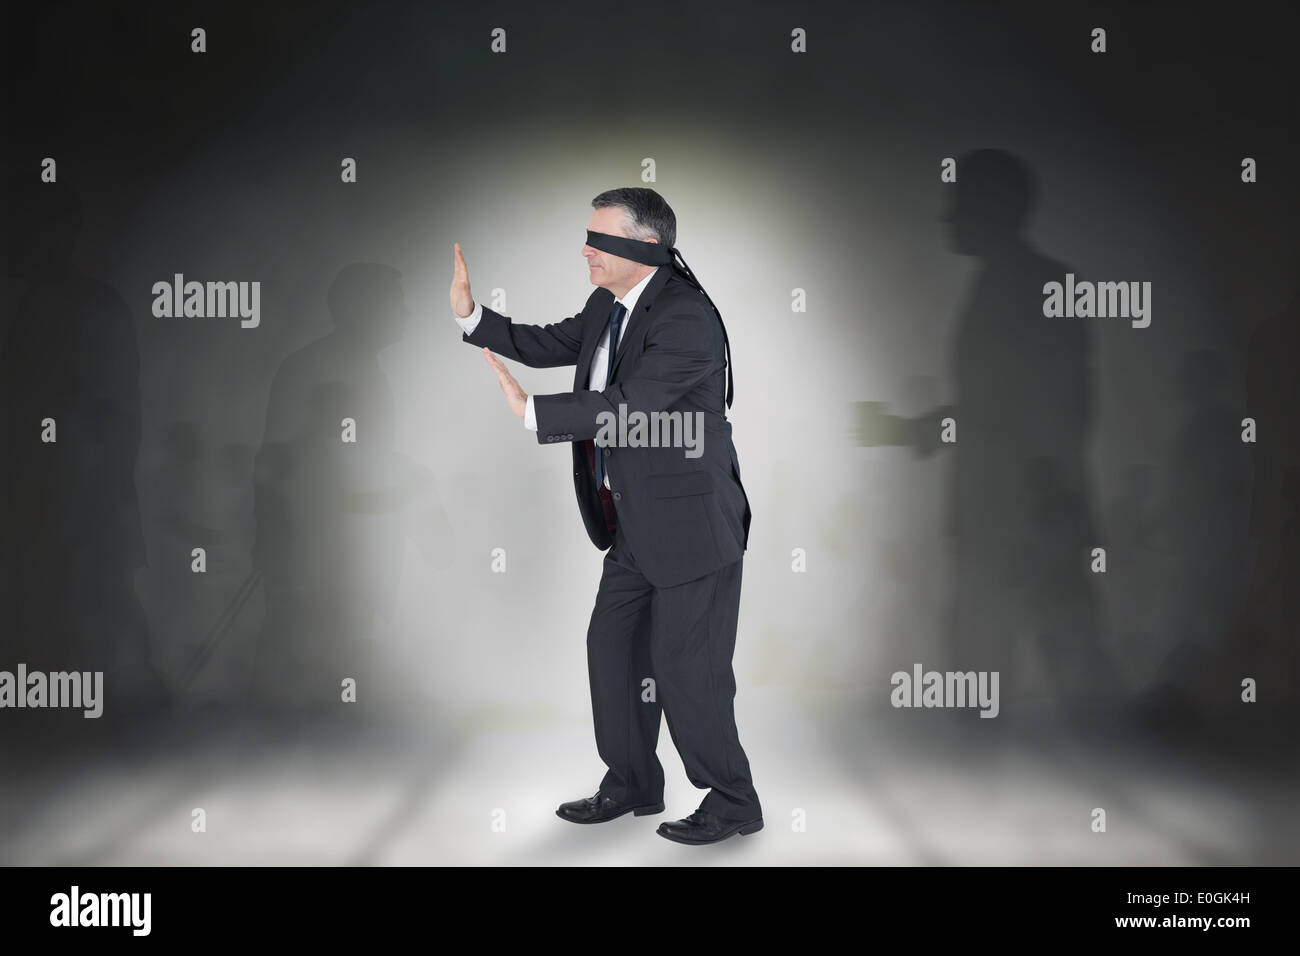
<point x="635" y="811"/>
<point x="744" y="830"/>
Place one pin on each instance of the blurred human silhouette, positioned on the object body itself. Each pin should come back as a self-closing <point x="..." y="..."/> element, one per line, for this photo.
<point x="1206" y="525"/>
<point x="69" y="512"/>
<point x="200" y="495"/>
<point x="1139" y="543"/>
<point x="1136" y="511"/>
<point x="1019" y="514"/>
<point x="332" y="514"/>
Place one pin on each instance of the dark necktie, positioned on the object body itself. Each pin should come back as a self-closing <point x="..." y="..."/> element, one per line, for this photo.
<point x="615" y="323"/>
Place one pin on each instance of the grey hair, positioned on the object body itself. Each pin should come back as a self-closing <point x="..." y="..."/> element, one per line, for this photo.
<point x="648" y="214"/>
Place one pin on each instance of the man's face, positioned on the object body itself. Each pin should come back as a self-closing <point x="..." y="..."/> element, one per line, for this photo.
<point x="609" y="271"/>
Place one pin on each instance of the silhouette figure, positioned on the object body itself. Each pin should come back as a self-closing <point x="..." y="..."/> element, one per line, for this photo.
<point x="200" y="496"/>
<point x="1019" y="514"/>
<point x="1139" y="543"/>
<point x="332" y="514"/>
<point x="1206" y="527"/>
<point x="1137" y="513"/>
<point x="69" y="514"/>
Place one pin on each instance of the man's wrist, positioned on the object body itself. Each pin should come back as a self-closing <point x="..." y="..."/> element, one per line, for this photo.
<point x="469" y="322"/>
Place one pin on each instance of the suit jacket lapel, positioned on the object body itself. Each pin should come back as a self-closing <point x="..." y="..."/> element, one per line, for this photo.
<point x="644" y="312"/>
<point x="595" y="329"/>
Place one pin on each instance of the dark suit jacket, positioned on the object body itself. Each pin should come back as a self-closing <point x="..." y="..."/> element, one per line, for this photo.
<point x="681" y="517"/>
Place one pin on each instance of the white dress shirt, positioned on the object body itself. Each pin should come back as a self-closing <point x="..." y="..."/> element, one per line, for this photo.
<point x="599" y="361"/>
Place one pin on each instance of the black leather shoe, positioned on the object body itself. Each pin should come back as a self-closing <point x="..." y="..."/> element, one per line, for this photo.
<point x="703" y="827"/>
<point x="599" y="808"/>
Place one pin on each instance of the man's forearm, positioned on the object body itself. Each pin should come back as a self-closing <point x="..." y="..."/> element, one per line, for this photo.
<point x="537" y="346"/>
<point x="683" y="351"/>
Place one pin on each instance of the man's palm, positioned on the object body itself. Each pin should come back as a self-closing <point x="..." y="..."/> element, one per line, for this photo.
<point x="515" y="395"/>
<point x="462" y="303"/>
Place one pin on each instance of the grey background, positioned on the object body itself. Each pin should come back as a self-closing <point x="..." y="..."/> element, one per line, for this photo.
<point x="815" y="171"/>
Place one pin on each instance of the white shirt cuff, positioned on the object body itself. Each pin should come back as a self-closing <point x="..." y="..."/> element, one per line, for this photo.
<point x="530" y="416"/>
<point x="470" y="322"/>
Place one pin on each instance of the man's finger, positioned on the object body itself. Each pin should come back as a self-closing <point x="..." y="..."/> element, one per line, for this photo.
<point x="503" y="374"/>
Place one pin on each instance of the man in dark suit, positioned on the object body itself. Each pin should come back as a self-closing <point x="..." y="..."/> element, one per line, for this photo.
<point x="675" y="520"/>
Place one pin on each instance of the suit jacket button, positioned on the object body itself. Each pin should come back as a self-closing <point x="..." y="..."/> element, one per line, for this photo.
<point x="617" y="496"/>
<point x="606" y="452"/>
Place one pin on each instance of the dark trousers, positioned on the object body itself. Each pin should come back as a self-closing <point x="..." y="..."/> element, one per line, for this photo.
<point x="683" y="638"/>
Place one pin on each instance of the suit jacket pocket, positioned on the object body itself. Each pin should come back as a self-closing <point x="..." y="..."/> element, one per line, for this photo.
<point x="677" y="486"/>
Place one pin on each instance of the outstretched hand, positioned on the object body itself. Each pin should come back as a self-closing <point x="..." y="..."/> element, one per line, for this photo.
<point x="516" y="397"/>
<point x="462" y="300"/>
